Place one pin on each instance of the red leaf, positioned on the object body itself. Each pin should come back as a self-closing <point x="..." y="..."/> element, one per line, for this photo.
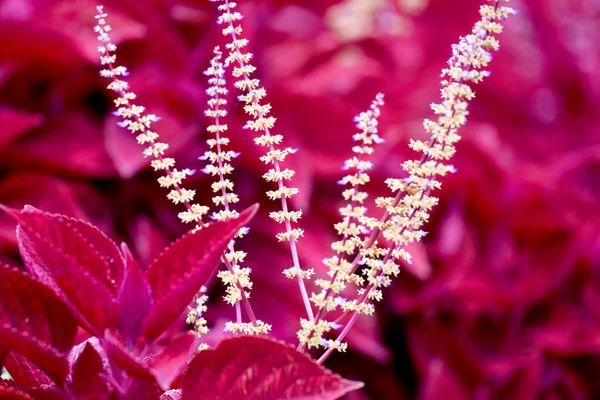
<point x="142" y="389"/>
<point x="135" y="300"/>
<point x="45" y="356"/>
<point x="9" y="393"/>
<point x="75" y="259"/>
<point x="179" y="272"/>
<point x="125" y="359"/>
<point x="89" y="247"/>
<point x="67" y="143"/>
<point x="34" y="309"/>
<point x="170" y="363"/>
<point x="87" y="374"/>
<point x="34" y="322"/>
<point x="24" y="372"/>
<point x="258" y="368"/>
<point x="440" y="383"/>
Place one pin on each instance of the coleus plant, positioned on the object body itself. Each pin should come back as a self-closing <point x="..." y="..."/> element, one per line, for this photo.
<point x="85" y="321"/>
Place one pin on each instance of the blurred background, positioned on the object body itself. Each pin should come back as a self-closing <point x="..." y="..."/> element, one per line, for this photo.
<point x="503" y="300"/>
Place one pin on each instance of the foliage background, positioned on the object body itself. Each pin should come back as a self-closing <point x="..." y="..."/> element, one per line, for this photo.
<point x="503" y="300"/>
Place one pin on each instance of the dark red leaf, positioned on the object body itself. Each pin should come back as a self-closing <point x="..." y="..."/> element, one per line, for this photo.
<point x="170" y="363"/>
<point x="179" y="272"/>
<point x="49" y="393"/>
<point x="135" y="300"/>
<point x="24" y="372"/>
<point x="34" y="322"/>
<point x="259" y="368"/>
<point x="33" y="308"/>
<point x="143" y="389"/>
<point x="87" y="374"/>
<point x="15" y="123"/>
<point x="65" y="254"/>
<point x="10" y="393"/>
<point x="125" y="359"/>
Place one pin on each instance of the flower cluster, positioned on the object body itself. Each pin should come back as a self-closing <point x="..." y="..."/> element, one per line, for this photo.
<point x="195" y="313"/>
<point x="351" y="231"/>
<point x="253" y="96"/>
<point x="369" y="250"/>
<point x="139" y="123"/>
<point x="407" y="212"/>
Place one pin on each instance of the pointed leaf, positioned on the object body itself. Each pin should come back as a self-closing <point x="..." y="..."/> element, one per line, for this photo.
<point x="125" y="359"/>
<point x="253" y="368"/>
<point x="87" y="374"/>
<point x="87" y="245"/>
<point x="59" y="251"/>
<point x="170" y="363"/>
<point x="24" y="372"/>
<point x="178" y="273"/>
<point x="135" y="300"/>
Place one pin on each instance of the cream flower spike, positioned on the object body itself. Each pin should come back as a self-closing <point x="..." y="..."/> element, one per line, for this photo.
<point x="139" y="123"/>
<point x="253" y="95"/>
<point x="407" y="212"/>
<point x="351" y="231"/>
<point x="235" y="278"/>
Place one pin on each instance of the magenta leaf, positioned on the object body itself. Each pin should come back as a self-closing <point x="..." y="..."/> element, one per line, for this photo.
<point x="87" y="374"/>
<point x="178" y="273"/>
<point x="253" y="368"/>
<point x="76" y="260"/>
<point x="170" y="363"/>
<point x="135" y="300"/>
<point x="171" y="395"/>
<point x="125" y="359"/>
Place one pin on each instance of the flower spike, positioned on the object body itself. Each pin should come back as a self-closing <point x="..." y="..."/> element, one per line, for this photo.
<point x="407" y="212"/>
<point x="138" y="122"/>
<point x="253" y="95"/>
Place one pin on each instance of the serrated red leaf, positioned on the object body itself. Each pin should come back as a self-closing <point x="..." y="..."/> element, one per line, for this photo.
<point x="33" y="308"/>
<point x="86" y="244"/>
<point x="45" y="356"/>
<point x="125" y="359"/>
<point x="87" y="374"/>
<point x="259" y="368"/>
<point x="135" y="300"/>
<point x="170" y="363"/>
<point x="60" y="253"/>
<point x="178" y="273"/>
<point x="24" y="372"/>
